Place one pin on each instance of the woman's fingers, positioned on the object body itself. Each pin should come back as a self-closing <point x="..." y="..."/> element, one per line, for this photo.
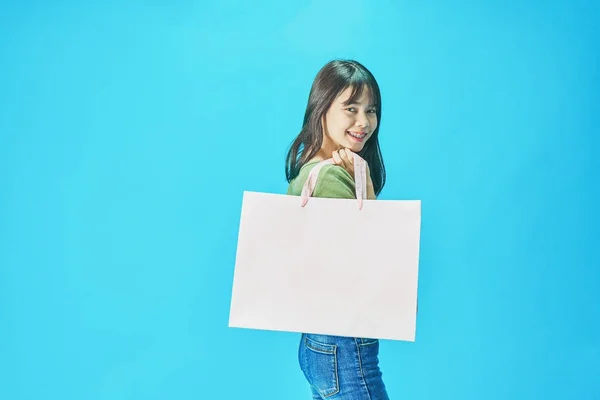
<point x="344" y="159"/>
<point x="336" y="158"/>
<point x="341" y="158"/>
<point x="348" y="159"/>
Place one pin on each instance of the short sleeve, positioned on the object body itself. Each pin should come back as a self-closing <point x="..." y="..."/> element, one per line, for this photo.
<point x="335" y="182"/>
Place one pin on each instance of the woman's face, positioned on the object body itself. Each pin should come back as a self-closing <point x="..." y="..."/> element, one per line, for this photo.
<point x="348" y="125"/>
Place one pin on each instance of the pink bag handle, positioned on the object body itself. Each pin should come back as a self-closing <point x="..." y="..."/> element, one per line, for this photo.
<point x="360" y="179"/>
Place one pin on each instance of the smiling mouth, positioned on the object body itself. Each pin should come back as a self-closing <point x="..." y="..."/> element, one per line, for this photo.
<point x="358" y="136"/>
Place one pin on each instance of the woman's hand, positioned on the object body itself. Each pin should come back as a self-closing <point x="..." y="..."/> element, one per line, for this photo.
<point x="344" y="158"/>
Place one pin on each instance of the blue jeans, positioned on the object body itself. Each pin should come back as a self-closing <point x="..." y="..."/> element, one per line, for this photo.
<point x="341" y="368"/>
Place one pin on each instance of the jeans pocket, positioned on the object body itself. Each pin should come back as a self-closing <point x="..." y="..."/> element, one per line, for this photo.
<point x="320" y="366"/>
<point x="368" y="341"/>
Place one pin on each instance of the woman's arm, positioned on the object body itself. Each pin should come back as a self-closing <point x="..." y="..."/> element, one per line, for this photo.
<point x="370" y="190"/>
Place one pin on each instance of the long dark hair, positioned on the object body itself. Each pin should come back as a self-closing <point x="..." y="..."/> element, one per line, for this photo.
<point x="335" y="77"/>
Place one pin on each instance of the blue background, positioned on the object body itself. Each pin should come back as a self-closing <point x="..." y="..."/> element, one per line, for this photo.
<point x="128" y="131"/>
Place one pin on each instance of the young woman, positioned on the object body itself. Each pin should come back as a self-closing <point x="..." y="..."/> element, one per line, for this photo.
<point x="342" y="117"/>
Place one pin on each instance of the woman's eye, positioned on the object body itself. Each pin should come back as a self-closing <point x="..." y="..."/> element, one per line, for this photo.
<point x="352" y="109"/>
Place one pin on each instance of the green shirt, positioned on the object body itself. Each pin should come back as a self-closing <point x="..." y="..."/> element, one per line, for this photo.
<point x="333" y="182"/>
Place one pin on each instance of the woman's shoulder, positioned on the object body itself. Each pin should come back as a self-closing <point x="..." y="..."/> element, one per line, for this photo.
<point x="333" y="181"/>
<point x="295" y="186"/>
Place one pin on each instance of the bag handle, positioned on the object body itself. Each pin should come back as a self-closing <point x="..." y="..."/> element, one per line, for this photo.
<point x="360" y="179"/>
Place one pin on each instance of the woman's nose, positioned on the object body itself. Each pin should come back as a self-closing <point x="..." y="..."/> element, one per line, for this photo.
<point x="362" y="121"/>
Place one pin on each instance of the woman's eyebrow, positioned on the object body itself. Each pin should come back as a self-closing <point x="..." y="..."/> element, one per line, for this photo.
<point x="352" y="103"/>
<point x="355" y="103"/>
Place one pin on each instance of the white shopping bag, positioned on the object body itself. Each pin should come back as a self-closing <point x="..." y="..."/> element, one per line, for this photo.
<point x="345" y="267"/>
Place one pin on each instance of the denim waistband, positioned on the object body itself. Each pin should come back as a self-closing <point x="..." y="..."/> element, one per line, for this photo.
<point x="338" y="340"/>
